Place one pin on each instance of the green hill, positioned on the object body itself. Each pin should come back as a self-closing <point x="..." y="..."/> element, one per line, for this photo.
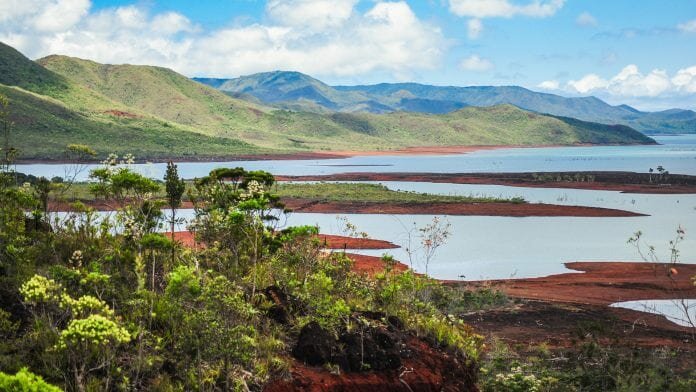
<point x="43" y="127"/>
<point x="157" y="90"/>
<point x="296" y="91"/>
<point x="156" y="113"/>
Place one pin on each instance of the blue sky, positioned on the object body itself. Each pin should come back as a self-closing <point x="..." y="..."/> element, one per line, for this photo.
<point x="638" y="52"/>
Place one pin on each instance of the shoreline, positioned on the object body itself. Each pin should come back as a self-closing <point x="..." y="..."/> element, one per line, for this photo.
<point x="337" y="154"/>
<point x="519" y="210"/>
<point x="600" y="283"/>
<point x="625" y="182"/>
<point x="506" y="209"/>
<point x="549" y="309"/>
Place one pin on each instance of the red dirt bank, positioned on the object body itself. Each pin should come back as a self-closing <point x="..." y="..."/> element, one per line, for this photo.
<point x="627" y="182"/>
<point x="604" y="283"/>
<point x="328" y="241"/>
<point x="427" y="370"/>
<point x="479" y="209"/>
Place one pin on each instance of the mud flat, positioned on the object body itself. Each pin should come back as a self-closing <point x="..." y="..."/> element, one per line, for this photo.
<point x="604" y="283"/>
<point x="628" y="182"/>
<point x="454" y="208"/>
<point x="449" y="208"/>
<point x="558" y="309"/>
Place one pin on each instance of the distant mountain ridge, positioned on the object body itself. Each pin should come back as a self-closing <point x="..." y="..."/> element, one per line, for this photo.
<point x="157" y="113"/>
<point x="297" y="91"/>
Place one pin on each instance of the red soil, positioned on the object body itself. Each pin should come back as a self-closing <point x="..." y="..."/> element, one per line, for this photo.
<point x="119" y="113"/>
<point x="478" y="209"/>
<point x="329" y="241"/>
<point x="427" y="370"/>
<point x="561" y="310"/>
<point x="371" y="265"/>
<point x="424" y="150"/>
<point x="603" y="283"/>
<point x="314" y="155"/>
<point x="342" y="242"/>
<point x="481" y="209"/>
<point x="495" y="179"/>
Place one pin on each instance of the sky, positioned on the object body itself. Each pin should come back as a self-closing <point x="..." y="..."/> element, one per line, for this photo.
<point x="636" y="52"/>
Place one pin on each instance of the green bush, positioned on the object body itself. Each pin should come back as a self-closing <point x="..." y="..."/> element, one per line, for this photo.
<point x="25" y="381"/>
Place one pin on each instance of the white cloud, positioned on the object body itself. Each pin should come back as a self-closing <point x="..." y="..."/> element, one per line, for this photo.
<point x="630" y="82"/>
<point x="688" y="27"/>
<point x="504" y="8"/>
<point x="685" y="80"/>
<point x="479" y="9"/>
<point x="315" y="14"/>
<point x="171" y="23"/>
<point x="319" y="37"/>
<point x="549" y="85"/>
<point x="42" y="16"/>
<point x="474" y="27"/>
<point x="476" y="64"/>
<point x="587" y="84"/>
<point x="586" y="20"/>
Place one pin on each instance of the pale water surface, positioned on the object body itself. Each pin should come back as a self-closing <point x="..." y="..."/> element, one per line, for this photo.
<point x="483" y="247"/>
<point x="682" y="312"/>
<point x="677" y="154"/>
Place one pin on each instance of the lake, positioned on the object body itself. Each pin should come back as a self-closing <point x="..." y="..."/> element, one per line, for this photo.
<point x="677" y="154"/>
<point x="483" y="247"/>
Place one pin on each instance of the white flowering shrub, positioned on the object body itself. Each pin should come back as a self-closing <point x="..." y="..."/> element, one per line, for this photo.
<point x="517" y="380"/>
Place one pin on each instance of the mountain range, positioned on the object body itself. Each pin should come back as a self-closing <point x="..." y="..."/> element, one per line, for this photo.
<point x="156" y="113"/>
<point x="297" y="91"/>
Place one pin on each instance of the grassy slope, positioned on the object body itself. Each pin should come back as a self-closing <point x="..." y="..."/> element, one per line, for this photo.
<point x="342" y="192"/>
<point x="296" y="91"/>
<point x="496" y="125"/>
<point x="182" y="101"/>
<point x="164" y="114"/>
<point x="157" y="90"/>
<point x="43" y="127"/>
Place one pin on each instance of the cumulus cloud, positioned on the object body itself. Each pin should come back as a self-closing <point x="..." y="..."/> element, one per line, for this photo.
<point x="586" y="20"/>
<point x="587" y="84"/>
<point x="688" y="27"/>
<point x="474" y="28"/>
<point x="630" y="82"/>
<point x="315" y="14"/>
<point x="479" y="9"/>
<point x="549" y="85"/>
<point x="42" y="15"/>
<point x="476" y="64"/>
<point x="321" y="37"/>
<point x="685" y="80"/>
<point x="504" y="8"/>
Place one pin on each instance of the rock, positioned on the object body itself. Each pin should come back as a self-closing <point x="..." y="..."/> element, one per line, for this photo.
<point x="395" y="322"/>
<point x="373" y="349"/>
<point x="279" y="312"/>
<point x="314" y="345"/>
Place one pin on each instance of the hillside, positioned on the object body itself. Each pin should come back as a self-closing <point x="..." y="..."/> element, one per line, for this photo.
<point x="295" y="91"/>
<point x="50" y="111"/>
<point x="156" y="113"/>
<point x="496" y="125"/>
<point x="43" y="127"/>
<point x="156" y="90"/>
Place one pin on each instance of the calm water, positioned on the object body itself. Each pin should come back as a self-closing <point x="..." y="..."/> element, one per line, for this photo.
<point x="682" y="313"/>
<point x="677" y="154"/>
<point x="484" y="247"/>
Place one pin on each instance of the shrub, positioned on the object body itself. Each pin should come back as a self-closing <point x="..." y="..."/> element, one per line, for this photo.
<point x="25" y="381"/>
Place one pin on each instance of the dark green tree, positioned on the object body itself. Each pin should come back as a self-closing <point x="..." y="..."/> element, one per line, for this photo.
<point x="175" y="188"/>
